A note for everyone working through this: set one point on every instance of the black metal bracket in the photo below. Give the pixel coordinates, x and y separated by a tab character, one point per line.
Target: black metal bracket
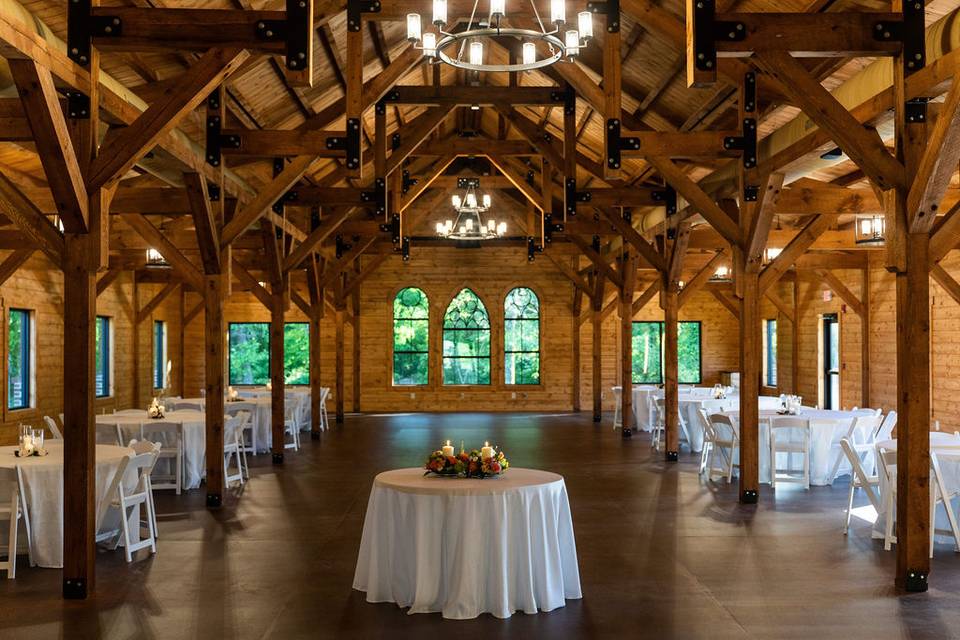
395	141
916	110
356	9
299	34
533	248
571	196
314	435
342	247
78	105
468	183
314	218
749	496
611	9
214	500
569	100
393	228
74	588
278	458
747	143
626	433
708	31
616	143
672	456
377	196
214	139
82	27
405	249
749	92
751	192
668	197
213	192
353	143
916	581
595	243
406	182
550	227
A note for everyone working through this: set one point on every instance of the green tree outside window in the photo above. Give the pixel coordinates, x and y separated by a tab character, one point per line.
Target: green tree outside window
466	341
411	337
521	337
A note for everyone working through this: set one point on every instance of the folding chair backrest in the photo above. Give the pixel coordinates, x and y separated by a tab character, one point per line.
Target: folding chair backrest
708	433
858	471
864	428
113	490
617	393
138	470
54	429
789	429
887	462
188	406
885	430
324	392
231	426
723	428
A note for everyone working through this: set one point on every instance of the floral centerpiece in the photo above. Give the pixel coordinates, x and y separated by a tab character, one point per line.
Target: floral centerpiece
30	443
155	410
478	463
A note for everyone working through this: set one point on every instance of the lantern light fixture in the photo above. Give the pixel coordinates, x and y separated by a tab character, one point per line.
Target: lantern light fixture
869	229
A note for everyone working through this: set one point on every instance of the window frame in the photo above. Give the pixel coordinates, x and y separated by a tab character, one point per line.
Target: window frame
230	380
443	338
539	350
769	382
27	355
393	340
159	354
104	357
661	326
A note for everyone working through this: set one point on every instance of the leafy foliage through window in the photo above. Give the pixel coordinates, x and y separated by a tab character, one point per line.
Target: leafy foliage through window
103	369
19	374
466	340
647	356
770	353
411	337
249	353
521	337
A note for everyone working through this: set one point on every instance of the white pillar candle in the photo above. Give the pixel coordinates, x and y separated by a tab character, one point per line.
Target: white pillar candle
447	449
486	451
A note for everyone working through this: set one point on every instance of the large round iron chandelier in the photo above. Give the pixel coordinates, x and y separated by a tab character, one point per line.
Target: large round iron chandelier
465	49
469	224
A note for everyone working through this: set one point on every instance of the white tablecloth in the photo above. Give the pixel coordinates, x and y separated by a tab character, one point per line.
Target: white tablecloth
826	428
43	493
260	417
466	547
194	439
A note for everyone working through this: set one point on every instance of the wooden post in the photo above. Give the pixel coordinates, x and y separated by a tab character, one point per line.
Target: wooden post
316	315
339	317
750	358
628	273
213	373
79	373
865	336
355	326
597	311
575	360
671	365
278	291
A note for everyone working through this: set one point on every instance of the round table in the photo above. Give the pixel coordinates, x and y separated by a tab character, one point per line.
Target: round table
827	427
194	438
465	547
42	487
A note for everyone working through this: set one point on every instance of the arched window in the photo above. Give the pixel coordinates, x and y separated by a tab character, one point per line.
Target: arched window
411	337
521	337
466	341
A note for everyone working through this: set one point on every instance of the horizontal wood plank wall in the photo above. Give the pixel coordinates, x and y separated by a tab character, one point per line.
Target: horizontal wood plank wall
491	273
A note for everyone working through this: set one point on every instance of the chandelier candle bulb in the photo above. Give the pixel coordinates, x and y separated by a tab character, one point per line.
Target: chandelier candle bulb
456	201
529	53
476	53
486	200
585	24
440	12
472	200
498	7
430	44
492	226
413	27
558	11
572	43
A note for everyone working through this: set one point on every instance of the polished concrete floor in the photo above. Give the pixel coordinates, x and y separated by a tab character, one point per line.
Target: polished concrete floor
662	554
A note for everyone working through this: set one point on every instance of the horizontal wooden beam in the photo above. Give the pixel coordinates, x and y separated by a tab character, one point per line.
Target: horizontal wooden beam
465	96
271	143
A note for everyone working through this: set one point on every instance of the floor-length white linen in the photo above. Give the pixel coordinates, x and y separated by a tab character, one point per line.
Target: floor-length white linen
194	439
466	547
43	493
827	426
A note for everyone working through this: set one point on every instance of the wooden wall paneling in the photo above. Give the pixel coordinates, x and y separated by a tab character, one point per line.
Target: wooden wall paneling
628	269
355	328
597	353
575	360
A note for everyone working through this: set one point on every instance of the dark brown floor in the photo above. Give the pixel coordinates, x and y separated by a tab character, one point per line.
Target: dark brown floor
661	554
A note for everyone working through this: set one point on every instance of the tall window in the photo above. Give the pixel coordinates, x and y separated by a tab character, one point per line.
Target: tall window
770	353
466	341
521	337
647	356
159	354
19	364
296	353
411	337
104	355
248	352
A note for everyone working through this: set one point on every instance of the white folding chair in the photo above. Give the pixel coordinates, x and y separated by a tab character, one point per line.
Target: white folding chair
860	435
290	427
142	446
188	406
131	490
660	428
887	473
617	403
657	424
885	430
859	479
55	433
170	437
12	509
942	493
726	443
233	447
708	437
324	394
232	409
790	436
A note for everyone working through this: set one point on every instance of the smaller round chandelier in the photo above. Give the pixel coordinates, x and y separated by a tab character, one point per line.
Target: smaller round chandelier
469	224
451	48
